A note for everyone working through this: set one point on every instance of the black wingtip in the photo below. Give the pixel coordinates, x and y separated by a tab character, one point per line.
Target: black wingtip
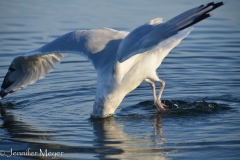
206	14
214	5
2	93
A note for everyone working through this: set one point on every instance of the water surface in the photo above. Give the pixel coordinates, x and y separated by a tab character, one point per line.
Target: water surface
201	74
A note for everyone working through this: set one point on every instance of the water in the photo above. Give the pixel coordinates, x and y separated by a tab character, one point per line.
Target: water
202	87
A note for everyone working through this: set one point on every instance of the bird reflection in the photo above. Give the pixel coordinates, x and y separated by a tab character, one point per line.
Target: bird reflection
116	144
111	139
158	136
23	136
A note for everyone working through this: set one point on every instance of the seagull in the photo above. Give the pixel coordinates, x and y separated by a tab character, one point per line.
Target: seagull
121	59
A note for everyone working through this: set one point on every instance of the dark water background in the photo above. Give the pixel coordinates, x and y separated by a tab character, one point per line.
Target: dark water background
202	78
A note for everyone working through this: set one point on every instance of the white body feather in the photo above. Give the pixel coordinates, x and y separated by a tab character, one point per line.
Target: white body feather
112	88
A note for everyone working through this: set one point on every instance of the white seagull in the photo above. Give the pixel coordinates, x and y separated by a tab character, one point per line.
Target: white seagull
122	60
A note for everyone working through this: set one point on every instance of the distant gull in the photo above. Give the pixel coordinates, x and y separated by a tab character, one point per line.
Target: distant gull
122	59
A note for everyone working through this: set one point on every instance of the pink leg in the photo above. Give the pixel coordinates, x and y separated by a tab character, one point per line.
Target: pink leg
161	89
153	88
157	100
160	94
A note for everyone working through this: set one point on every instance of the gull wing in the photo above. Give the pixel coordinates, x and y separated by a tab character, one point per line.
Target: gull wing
149	35
25	70
99	46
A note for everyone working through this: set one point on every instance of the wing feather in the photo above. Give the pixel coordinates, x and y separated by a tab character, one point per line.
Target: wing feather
99	46
149	35
27	70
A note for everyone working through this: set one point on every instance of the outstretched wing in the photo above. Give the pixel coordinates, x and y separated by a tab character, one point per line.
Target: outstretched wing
99	46
149	35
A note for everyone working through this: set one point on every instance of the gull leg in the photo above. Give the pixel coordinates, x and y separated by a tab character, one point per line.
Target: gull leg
153	89
157	101
160	104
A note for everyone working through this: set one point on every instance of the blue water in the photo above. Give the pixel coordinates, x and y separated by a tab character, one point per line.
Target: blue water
202	78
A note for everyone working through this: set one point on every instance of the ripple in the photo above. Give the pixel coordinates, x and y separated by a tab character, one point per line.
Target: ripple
179	107
146	109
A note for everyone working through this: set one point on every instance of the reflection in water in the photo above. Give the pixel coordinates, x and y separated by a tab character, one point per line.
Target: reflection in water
157	131
110	140
113	143
26	137
19	130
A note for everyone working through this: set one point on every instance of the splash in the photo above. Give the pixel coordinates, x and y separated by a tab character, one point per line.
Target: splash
175	108
180	107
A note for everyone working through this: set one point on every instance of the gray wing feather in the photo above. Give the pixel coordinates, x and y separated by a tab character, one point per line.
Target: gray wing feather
99	46
27	70
150	35
88	43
